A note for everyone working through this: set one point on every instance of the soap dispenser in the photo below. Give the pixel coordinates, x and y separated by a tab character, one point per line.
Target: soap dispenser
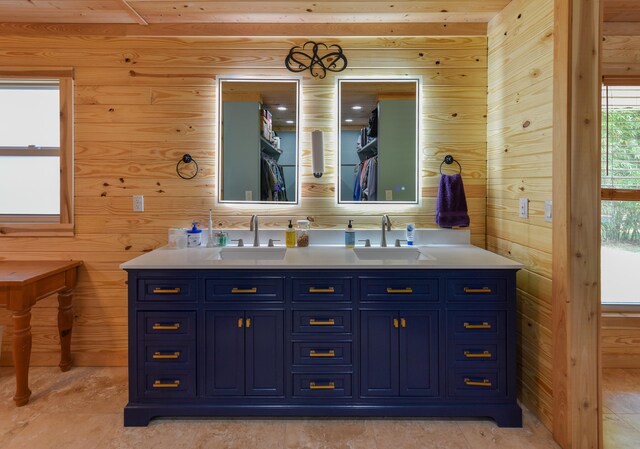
349	236
290	236
194	235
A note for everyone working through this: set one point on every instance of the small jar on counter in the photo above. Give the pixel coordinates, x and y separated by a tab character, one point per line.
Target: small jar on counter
302	233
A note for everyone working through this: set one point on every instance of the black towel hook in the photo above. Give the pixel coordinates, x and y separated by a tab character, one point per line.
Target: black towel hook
448	159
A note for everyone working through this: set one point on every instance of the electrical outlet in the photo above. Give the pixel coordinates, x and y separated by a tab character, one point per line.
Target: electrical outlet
138	203
388	195
524	208
548	211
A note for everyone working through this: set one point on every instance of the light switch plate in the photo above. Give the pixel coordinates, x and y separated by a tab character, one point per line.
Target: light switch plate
138	203
524	208
548	211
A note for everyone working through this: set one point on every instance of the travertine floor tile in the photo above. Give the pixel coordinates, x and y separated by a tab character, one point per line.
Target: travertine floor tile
417	434
328	434
619	434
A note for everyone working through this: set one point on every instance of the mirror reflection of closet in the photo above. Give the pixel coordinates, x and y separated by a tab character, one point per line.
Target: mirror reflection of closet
258	142
378	140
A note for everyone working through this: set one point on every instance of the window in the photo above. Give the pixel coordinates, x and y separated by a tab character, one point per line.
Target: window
36	153
620	190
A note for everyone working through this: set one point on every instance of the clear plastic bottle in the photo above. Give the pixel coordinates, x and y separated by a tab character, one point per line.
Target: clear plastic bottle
411	233
349	236
290	236
302	233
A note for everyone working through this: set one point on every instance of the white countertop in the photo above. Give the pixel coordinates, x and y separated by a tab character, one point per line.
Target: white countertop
433	256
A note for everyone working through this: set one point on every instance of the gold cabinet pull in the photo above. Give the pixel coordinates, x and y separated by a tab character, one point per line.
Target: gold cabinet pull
240	322
403	323
322	290
329	322
167	291
395	323
235	290
478	355
399	290
159	355
248	322
166	327
160	384
329	386
484	325
477	290
473	383
314	353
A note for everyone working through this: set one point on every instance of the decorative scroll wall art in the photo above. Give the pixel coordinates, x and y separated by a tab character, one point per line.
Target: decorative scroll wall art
332	59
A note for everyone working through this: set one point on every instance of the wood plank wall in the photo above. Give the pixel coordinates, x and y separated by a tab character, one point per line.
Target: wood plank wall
140	103
620	332
519	151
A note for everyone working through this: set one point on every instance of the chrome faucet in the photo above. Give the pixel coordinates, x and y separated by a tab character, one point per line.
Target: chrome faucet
253	226
386	226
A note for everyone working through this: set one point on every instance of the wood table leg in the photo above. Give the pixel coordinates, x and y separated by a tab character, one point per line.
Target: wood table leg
22	355
65	326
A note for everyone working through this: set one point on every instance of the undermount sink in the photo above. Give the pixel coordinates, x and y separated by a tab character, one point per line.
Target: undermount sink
390	253
253	253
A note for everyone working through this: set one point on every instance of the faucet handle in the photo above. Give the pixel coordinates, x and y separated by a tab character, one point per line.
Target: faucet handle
271	242
240	242
367	242
398	245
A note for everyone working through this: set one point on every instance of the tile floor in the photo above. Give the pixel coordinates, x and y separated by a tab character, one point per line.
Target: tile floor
83	409
621	408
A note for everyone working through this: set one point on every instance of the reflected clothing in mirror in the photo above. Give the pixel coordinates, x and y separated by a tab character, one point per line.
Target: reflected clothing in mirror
272	183
366	185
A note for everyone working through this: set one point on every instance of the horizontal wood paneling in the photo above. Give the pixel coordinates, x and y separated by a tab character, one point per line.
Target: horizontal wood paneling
141	103
519	150
620	54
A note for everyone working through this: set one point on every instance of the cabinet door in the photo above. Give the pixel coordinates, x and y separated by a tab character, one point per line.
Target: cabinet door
225	353
264	352
379	353
419	353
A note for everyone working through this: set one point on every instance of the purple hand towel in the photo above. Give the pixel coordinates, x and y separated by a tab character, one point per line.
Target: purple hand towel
451	208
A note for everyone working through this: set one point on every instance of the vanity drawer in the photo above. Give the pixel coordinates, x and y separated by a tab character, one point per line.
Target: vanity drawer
322	289
322	321
169	384
322	385
176	325
179	355
245	289
167	289
399	289
480	383
477	324
481	353
322	353
477	290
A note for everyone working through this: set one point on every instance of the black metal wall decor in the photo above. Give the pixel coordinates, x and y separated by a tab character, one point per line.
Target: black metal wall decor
333	60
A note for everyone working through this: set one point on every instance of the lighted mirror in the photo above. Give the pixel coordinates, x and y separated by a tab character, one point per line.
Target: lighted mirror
378	140
258	140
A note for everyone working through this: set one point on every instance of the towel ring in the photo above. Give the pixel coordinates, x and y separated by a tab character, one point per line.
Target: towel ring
186	159
448	159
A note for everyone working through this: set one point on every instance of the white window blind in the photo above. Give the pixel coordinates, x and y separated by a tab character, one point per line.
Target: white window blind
621	137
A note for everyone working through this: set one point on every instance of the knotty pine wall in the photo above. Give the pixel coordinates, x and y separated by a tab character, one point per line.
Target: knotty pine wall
519	151
140	103
620	333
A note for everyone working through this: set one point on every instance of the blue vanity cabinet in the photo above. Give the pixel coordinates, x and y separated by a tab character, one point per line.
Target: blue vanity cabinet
301	342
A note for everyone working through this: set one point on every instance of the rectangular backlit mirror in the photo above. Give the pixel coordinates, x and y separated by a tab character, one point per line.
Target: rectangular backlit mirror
258	140
378	140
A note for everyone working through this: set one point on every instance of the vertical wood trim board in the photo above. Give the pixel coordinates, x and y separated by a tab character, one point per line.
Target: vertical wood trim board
519	150
140	103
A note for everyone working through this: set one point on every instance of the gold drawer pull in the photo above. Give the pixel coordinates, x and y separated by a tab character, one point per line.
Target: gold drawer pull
248	321
399	290
322	290
244	290
329	322
484	325
240	322
329	386
166	327
403	323
159	355
472	383
395	323
330	353
160	384
478	355
167	291
477	290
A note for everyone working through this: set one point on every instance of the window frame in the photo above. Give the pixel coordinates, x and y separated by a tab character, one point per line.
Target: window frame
41	225
612	194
